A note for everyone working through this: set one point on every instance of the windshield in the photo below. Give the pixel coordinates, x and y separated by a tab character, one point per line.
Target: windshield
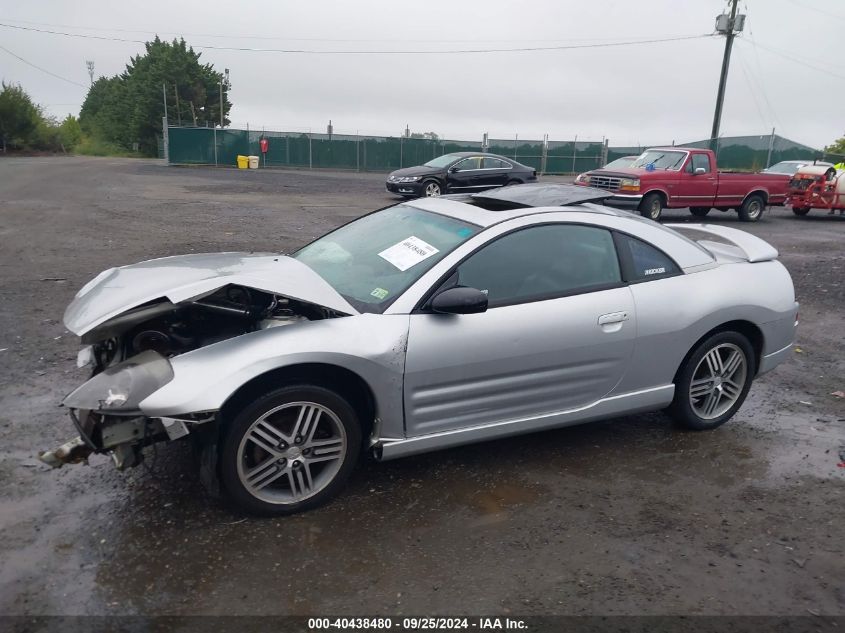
373	260
785	168
442	161
660	158
620	163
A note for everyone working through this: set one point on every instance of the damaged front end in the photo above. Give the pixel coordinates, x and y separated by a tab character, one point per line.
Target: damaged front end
133	319
106	413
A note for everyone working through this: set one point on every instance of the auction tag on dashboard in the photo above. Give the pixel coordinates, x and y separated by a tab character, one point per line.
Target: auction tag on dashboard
408	252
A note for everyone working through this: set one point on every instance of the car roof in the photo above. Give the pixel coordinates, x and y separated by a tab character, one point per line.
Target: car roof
532	195
479	153
490	207
462	208
684	251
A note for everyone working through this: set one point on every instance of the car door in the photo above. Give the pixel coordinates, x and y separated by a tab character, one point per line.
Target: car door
463	175
697	188
494	172
557	335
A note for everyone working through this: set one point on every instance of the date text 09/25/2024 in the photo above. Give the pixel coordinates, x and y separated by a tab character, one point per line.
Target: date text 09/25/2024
416	623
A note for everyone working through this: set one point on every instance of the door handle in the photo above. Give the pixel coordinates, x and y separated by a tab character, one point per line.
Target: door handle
613	317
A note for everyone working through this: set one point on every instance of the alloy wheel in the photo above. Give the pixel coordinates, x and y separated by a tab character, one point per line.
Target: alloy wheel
291	452
432	190
718	381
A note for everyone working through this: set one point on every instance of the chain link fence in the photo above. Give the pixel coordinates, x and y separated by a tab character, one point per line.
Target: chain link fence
215	146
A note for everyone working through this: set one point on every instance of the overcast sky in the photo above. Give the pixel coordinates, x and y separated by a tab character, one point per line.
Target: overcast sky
787	69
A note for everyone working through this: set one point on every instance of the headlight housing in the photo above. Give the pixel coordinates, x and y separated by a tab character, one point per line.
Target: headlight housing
120	389
629	184
409	178
585	178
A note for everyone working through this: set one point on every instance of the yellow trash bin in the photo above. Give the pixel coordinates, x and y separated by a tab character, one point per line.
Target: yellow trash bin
243	162
253	162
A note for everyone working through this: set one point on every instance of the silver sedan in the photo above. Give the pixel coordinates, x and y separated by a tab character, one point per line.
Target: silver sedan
421	326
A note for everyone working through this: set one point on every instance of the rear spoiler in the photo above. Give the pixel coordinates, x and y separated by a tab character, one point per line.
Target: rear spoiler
742	244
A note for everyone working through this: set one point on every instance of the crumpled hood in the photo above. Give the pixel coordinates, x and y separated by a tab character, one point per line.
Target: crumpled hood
184	277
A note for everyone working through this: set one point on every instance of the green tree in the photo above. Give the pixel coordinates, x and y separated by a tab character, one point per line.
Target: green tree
128	108
70	132
19	116
837	147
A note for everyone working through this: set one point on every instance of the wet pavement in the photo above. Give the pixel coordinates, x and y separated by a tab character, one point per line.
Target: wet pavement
623	516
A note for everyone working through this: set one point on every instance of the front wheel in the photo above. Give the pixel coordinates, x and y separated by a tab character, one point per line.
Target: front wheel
290	450
713	382
752	209
431	189
651	206
800	210
699	212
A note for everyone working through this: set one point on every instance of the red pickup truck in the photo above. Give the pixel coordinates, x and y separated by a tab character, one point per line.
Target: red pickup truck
679	177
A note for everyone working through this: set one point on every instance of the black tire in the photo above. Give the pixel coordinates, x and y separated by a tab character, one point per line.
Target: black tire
432	189
800	210
699	212
682	409
752	209
231	456
513	182
651	206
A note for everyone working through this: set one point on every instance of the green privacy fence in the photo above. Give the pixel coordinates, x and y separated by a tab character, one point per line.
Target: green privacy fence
208	146
214	146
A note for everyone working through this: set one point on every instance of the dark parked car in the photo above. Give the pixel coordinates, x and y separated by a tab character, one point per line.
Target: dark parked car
458	172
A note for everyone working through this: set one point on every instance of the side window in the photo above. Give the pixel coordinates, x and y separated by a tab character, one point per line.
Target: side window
542	262
700	160
645	261
495	163
468	164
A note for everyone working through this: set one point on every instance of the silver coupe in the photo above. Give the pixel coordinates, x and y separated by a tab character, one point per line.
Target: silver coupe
424	325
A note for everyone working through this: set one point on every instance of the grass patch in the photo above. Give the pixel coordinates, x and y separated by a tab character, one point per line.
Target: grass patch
95	147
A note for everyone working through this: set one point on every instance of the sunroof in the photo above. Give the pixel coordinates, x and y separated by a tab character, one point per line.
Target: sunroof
536	195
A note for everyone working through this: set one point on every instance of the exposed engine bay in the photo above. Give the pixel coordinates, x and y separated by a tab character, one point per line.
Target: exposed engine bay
141	340
172	329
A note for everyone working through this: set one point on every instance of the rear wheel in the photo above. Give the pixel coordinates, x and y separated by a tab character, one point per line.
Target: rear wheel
713	382
289	451
651	206
431	189
800	210
699	212
752	209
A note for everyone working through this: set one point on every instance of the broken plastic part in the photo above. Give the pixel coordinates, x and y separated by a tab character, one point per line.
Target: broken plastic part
71	452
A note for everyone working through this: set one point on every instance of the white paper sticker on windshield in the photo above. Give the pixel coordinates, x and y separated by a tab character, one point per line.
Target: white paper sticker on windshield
408	252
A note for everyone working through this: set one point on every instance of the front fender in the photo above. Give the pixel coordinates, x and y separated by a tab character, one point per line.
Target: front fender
370	345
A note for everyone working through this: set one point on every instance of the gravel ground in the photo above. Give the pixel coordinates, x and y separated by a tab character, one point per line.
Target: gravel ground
627	516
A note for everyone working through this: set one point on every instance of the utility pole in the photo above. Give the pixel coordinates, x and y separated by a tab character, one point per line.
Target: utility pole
223	84
729	26
90	64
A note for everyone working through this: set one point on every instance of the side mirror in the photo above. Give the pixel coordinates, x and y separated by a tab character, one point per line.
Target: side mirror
700	170
453	169
460	301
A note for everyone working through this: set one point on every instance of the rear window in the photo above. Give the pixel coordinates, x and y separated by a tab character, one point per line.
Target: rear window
645	262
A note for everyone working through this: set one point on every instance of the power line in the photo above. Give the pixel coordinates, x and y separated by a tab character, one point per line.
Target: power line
759	80
311	39
43	70
797	60
375	52
750	87
823	12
